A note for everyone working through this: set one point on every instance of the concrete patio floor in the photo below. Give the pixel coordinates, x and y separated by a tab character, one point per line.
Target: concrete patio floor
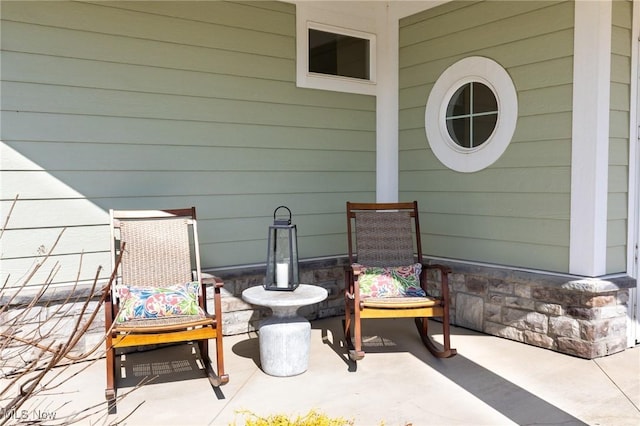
492	381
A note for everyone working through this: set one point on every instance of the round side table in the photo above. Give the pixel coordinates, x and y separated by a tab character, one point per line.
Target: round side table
285	336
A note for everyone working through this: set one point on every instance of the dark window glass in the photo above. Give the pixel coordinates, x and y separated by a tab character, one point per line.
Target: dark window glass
483	127
472	115
338	54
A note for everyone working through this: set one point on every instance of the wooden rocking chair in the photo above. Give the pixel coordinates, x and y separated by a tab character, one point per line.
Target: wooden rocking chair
157	293
385	280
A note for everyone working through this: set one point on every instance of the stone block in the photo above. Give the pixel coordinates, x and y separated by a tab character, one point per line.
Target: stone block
334	289
525	320
476	285
457	282
616	345
334	274
434	289
552	309
307	277
617	311
497	299
597	313
519	302
239	322
500	286
581	313
564	327
590	350
231	304
603	329
501	330
599	300
93	340
492	312
21	315
543	294
539	339
469	311
522	290
557	296
577	347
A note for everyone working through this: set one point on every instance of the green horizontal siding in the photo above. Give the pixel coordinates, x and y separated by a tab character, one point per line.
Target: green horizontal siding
170	104
62	42
75	128
30	97
117	21
517	211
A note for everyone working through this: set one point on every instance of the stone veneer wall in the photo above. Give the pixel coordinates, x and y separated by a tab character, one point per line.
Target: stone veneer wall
582	317
55	317
51	321
585	317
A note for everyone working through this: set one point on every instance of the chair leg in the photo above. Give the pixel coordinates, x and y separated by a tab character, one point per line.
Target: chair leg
224	378
219	378
356	353
203	345
447	351
346	325
110	391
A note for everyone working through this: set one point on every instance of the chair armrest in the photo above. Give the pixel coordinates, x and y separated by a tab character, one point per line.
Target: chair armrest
351	285
444	278
208	279
356	269
109	310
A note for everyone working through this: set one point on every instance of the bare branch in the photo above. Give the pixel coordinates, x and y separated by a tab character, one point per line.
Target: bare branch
38	338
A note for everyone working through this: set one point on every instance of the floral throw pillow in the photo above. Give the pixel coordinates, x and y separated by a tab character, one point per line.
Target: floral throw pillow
400	281
158	302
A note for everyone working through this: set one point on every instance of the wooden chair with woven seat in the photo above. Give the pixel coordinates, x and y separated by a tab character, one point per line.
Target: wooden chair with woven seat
386	277
157	292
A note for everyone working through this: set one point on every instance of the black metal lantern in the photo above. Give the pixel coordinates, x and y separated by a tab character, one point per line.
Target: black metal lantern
282	254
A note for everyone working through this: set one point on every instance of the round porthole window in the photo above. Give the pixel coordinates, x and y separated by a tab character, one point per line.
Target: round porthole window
471	114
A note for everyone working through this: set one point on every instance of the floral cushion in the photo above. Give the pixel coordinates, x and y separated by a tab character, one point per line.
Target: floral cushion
158	302
401	281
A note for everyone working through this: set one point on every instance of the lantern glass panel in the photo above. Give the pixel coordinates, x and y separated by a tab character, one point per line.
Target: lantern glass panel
282	258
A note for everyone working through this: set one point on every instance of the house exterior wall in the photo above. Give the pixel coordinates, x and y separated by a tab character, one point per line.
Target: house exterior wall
170	104
163	105
517	211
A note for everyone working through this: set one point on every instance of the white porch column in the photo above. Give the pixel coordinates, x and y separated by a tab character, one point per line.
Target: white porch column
387	106
590	138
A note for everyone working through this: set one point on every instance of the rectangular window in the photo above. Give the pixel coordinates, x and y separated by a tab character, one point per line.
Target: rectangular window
335	58
338	54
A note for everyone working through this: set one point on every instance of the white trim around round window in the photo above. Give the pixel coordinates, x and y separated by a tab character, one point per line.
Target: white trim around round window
473	69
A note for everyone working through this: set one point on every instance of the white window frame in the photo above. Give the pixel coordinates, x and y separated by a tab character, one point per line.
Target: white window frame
491	74
312	80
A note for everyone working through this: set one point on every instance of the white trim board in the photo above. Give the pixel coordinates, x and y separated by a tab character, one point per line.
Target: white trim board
590	140
633	236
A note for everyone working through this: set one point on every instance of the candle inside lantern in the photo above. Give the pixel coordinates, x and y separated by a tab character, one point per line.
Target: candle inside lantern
282	275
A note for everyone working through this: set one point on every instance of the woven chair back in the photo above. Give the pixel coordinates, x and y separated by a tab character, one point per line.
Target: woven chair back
384	238
157	252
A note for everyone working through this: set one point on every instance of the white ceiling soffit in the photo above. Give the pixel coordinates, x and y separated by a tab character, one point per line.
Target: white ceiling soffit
399	8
